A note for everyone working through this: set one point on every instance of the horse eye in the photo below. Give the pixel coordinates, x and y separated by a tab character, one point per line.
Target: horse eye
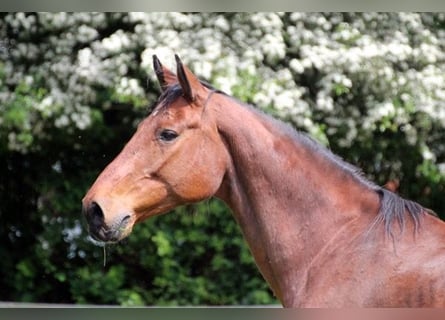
168	135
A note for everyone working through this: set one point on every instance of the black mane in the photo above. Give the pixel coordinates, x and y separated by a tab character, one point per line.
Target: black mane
393	208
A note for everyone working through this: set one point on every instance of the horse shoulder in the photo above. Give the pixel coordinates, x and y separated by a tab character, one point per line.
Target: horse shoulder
417	275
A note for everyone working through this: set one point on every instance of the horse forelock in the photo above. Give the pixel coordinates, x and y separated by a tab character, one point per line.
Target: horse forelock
166	98
172	93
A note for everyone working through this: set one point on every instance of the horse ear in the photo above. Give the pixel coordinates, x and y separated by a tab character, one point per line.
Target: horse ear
165	76
189	83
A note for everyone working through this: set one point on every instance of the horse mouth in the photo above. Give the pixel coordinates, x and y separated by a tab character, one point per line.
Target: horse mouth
112	234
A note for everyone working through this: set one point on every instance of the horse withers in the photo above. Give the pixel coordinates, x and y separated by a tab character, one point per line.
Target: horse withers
321	234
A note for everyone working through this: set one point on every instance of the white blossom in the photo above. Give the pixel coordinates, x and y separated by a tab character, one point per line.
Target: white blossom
116	42
298	64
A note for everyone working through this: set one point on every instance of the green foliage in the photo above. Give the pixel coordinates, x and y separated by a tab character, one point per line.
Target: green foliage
73	88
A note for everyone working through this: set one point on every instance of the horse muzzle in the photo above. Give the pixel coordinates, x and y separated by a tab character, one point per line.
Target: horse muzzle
101	231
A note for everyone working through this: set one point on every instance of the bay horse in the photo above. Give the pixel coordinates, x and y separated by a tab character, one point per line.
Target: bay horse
321	233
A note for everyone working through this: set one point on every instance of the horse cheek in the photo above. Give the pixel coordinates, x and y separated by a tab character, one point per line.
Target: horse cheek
200	183
200	179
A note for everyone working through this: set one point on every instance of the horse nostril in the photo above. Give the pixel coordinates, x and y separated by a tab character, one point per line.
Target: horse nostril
94	215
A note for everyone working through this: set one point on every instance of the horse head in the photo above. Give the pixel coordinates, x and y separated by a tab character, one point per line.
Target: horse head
175	157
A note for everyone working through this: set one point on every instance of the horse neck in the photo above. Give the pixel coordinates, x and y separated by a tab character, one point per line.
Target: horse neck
289	199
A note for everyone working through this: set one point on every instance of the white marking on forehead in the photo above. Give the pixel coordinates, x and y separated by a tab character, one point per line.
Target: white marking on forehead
160	109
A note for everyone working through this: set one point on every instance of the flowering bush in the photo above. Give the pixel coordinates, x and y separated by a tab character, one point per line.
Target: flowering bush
370	86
